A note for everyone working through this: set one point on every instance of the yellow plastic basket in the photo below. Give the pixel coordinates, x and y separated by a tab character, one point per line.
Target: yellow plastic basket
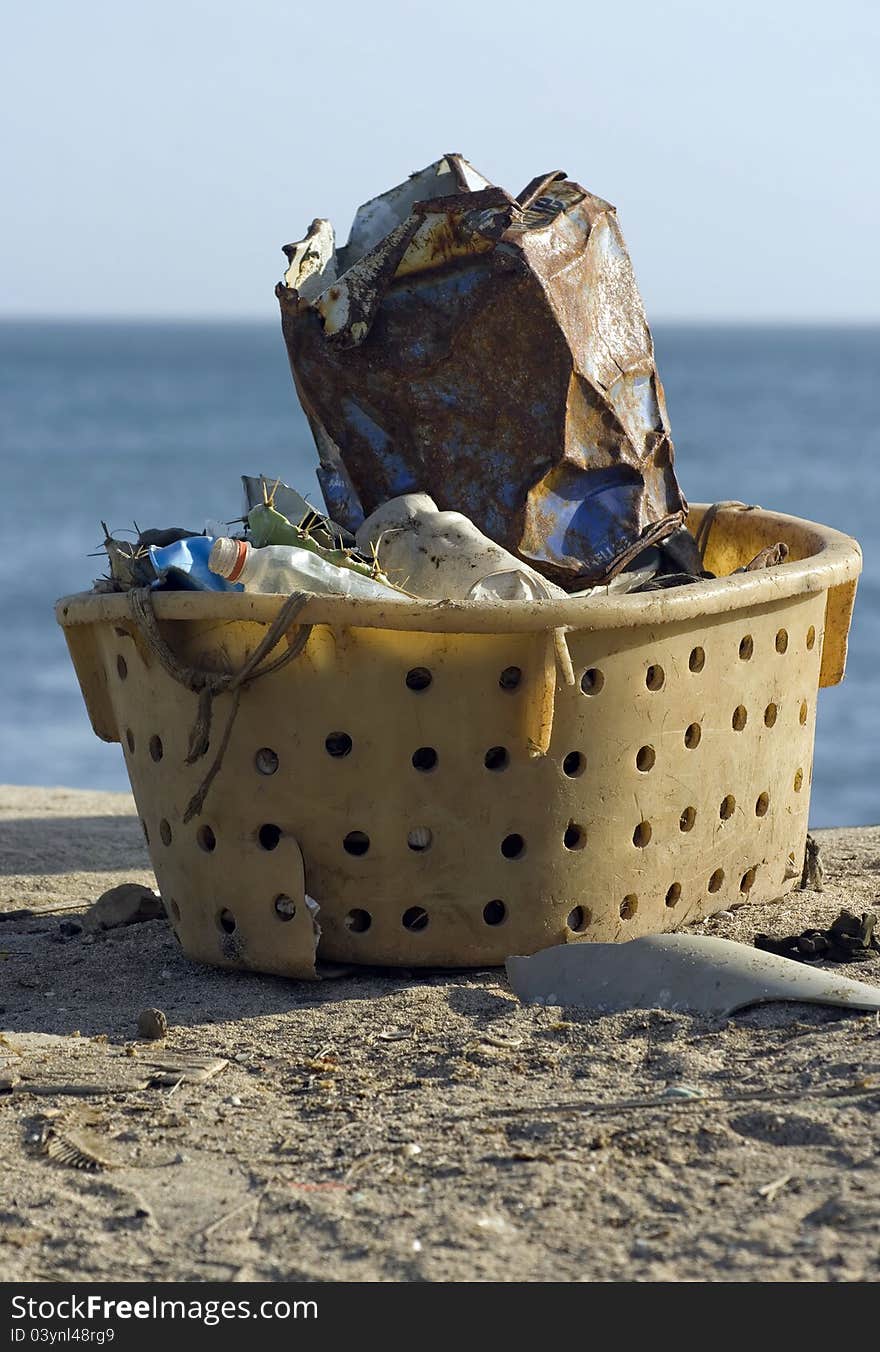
454	782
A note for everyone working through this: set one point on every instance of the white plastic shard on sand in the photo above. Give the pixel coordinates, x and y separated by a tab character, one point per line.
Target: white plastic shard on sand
688	973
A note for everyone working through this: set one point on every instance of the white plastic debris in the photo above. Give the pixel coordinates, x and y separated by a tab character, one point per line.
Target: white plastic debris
685	972
442	555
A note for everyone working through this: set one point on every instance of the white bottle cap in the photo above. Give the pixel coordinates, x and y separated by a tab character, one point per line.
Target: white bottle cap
228	557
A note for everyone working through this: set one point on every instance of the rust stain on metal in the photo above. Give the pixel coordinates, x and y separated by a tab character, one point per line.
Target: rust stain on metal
493	352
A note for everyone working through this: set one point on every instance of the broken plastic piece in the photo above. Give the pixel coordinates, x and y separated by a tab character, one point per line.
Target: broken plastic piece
685	972
493	352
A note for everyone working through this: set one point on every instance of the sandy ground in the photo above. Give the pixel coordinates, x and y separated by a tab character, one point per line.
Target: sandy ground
409	1126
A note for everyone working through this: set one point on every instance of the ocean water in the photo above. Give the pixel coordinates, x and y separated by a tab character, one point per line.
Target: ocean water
157	422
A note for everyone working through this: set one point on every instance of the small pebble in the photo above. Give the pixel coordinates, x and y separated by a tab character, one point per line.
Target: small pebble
152	1025
234	1100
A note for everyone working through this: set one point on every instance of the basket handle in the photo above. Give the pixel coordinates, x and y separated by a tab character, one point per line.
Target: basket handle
554	662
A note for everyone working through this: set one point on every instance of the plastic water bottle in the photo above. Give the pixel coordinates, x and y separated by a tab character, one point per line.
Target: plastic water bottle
286	568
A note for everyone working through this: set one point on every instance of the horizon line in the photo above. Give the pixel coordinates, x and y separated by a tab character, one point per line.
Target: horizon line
717	321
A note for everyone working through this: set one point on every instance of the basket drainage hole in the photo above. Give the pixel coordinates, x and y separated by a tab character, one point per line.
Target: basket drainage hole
496	758
798	780
266	761
226	921
642	834
418	678
356	842
692	736
781	640
770	715
513	846
629	906
697	659
510	678
424	758
174	909
578	919
419	838
673	896
121	667
146	831
494	912
415	919
802	713
728	807
811	637
645	758
206	839
165	832
574	764
592	681
655	677
746	647
129	737
285	907
575	837
747	881
157	751
740	718
358	921
762	803
269	835
716	880
687	819
339	743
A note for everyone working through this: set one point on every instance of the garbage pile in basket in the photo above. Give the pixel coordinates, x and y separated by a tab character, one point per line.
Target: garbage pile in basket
407	548
479	377
492	442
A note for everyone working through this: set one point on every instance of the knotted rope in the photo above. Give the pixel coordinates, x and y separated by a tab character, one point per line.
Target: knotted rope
206	685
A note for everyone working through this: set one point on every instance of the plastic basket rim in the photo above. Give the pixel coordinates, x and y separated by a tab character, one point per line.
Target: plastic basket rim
835	559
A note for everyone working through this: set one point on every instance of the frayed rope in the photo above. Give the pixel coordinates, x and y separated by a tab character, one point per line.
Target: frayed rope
206	685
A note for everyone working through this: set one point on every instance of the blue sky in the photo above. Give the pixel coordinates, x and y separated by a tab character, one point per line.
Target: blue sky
156	156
